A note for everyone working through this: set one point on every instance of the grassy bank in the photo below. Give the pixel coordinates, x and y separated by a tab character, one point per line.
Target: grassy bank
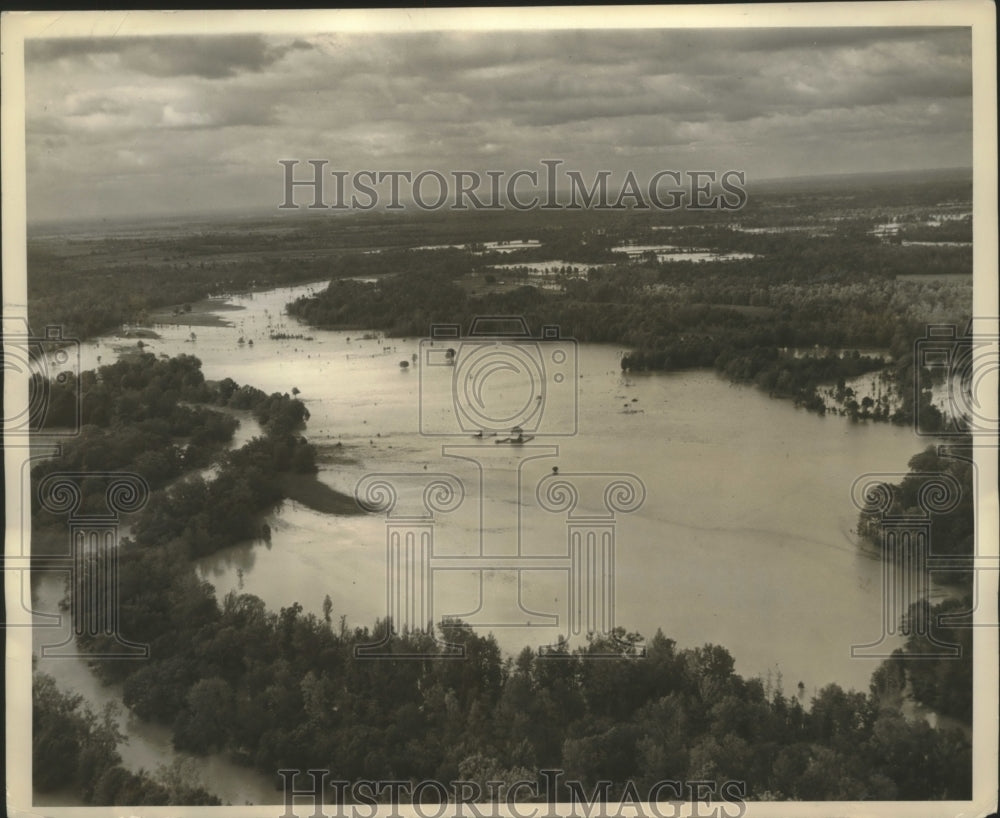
308	490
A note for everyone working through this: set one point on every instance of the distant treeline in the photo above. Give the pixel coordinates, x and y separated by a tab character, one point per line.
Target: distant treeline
86	301
744	318
91	286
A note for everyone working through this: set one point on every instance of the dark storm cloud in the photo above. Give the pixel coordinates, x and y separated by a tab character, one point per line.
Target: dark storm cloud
207	57
563	77
223	108
448	53
771	40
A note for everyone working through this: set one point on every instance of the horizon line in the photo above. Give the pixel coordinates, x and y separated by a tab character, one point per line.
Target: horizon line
243	212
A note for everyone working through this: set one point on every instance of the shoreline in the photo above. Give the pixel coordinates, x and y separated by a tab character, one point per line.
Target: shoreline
203	313
313	493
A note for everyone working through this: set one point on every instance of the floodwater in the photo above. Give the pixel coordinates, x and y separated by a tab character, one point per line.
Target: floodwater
669	252
744	536
547	266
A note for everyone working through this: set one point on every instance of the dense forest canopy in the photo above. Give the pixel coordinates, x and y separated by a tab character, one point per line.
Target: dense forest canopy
288	689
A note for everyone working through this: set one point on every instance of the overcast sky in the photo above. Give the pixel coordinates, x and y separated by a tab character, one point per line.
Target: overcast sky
129	126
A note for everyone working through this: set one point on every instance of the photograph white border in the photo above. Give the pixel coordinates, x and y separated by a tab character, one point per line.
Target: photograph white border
980	16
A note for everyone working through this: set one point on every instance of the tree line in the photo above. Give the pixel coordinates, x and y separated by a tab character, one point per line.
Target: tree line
76	750
159	418
287	689
753	323
942	683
